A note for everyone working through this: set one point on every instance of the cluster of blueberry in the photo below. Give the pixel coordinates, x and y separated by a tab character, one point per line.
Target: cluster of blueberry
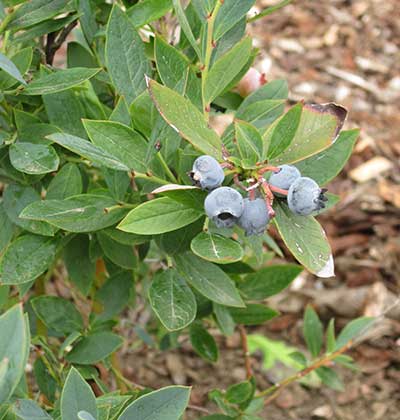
226	207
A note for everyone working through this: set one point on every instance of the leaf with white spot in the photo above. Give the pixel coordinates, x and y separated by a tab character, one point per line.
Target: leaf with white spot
172	300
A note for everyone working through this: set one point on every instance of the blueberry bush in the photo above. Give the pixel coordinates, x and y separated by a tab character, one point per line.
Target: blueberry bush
115	184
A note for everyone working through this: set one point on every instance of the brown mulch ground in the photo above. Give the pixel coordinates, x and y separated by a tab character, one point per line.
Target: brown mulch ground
347	52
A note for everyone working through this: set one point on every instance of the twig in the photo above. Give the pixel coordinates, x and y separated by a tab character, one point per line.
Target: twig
247	359
276	389
198	408
54	42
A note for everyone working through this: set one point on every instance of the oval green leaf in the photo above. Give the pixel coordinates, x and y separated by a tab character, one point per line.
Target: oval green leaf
306	240
33	158
172	300
76	395
208	279
167	404
159	216
59	81
27	258
186	119
216	248
94	348
14	350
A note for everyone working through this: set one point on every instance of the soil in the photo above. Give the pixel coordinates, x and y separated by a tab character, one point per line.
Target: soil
347	52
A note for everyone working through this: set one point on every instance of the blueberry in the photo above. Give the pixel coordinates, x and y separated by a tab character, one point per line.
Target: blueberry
224	206
207	173
285	177
254	218
305	196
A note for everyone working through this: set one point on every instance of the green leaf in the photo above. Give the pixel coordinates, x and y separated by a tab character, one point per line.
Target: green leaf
34	12
159	216
239	393
324	166
14	350
225	69
80	213
354	329
216	248
81	270
115	294
172	65
33	158
185	26
59	81
43	28
186	119
22	60
268	281
121	113
94	348
26	259
203	343
224	319
172	300
87	20
252	314
16	198
330	378
148	11
229	14
58	314
70	122
318	129
284	132
248	142
273	351
87	150
10	68
121	255
119	140
7	229
66	183
126	238
208	279
179	240
306	240
29	410
125	56
330	336
45	382
167	404
76	395
313	331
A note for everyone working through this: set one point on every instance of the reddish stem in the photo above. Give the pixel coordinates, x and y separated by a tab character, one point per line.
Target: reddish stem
269	197
278	190
238	183
268	169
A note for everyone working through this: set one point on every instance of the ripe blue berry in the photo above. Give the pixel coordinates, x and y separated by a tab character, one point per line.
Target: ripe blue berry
224	206
254	218
207	173
285	177
305	196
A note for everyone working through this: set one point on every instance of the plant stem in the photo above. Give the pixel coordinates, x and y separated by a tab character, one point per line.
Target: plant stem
269	10
166	168
247	359
208	52
276	389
